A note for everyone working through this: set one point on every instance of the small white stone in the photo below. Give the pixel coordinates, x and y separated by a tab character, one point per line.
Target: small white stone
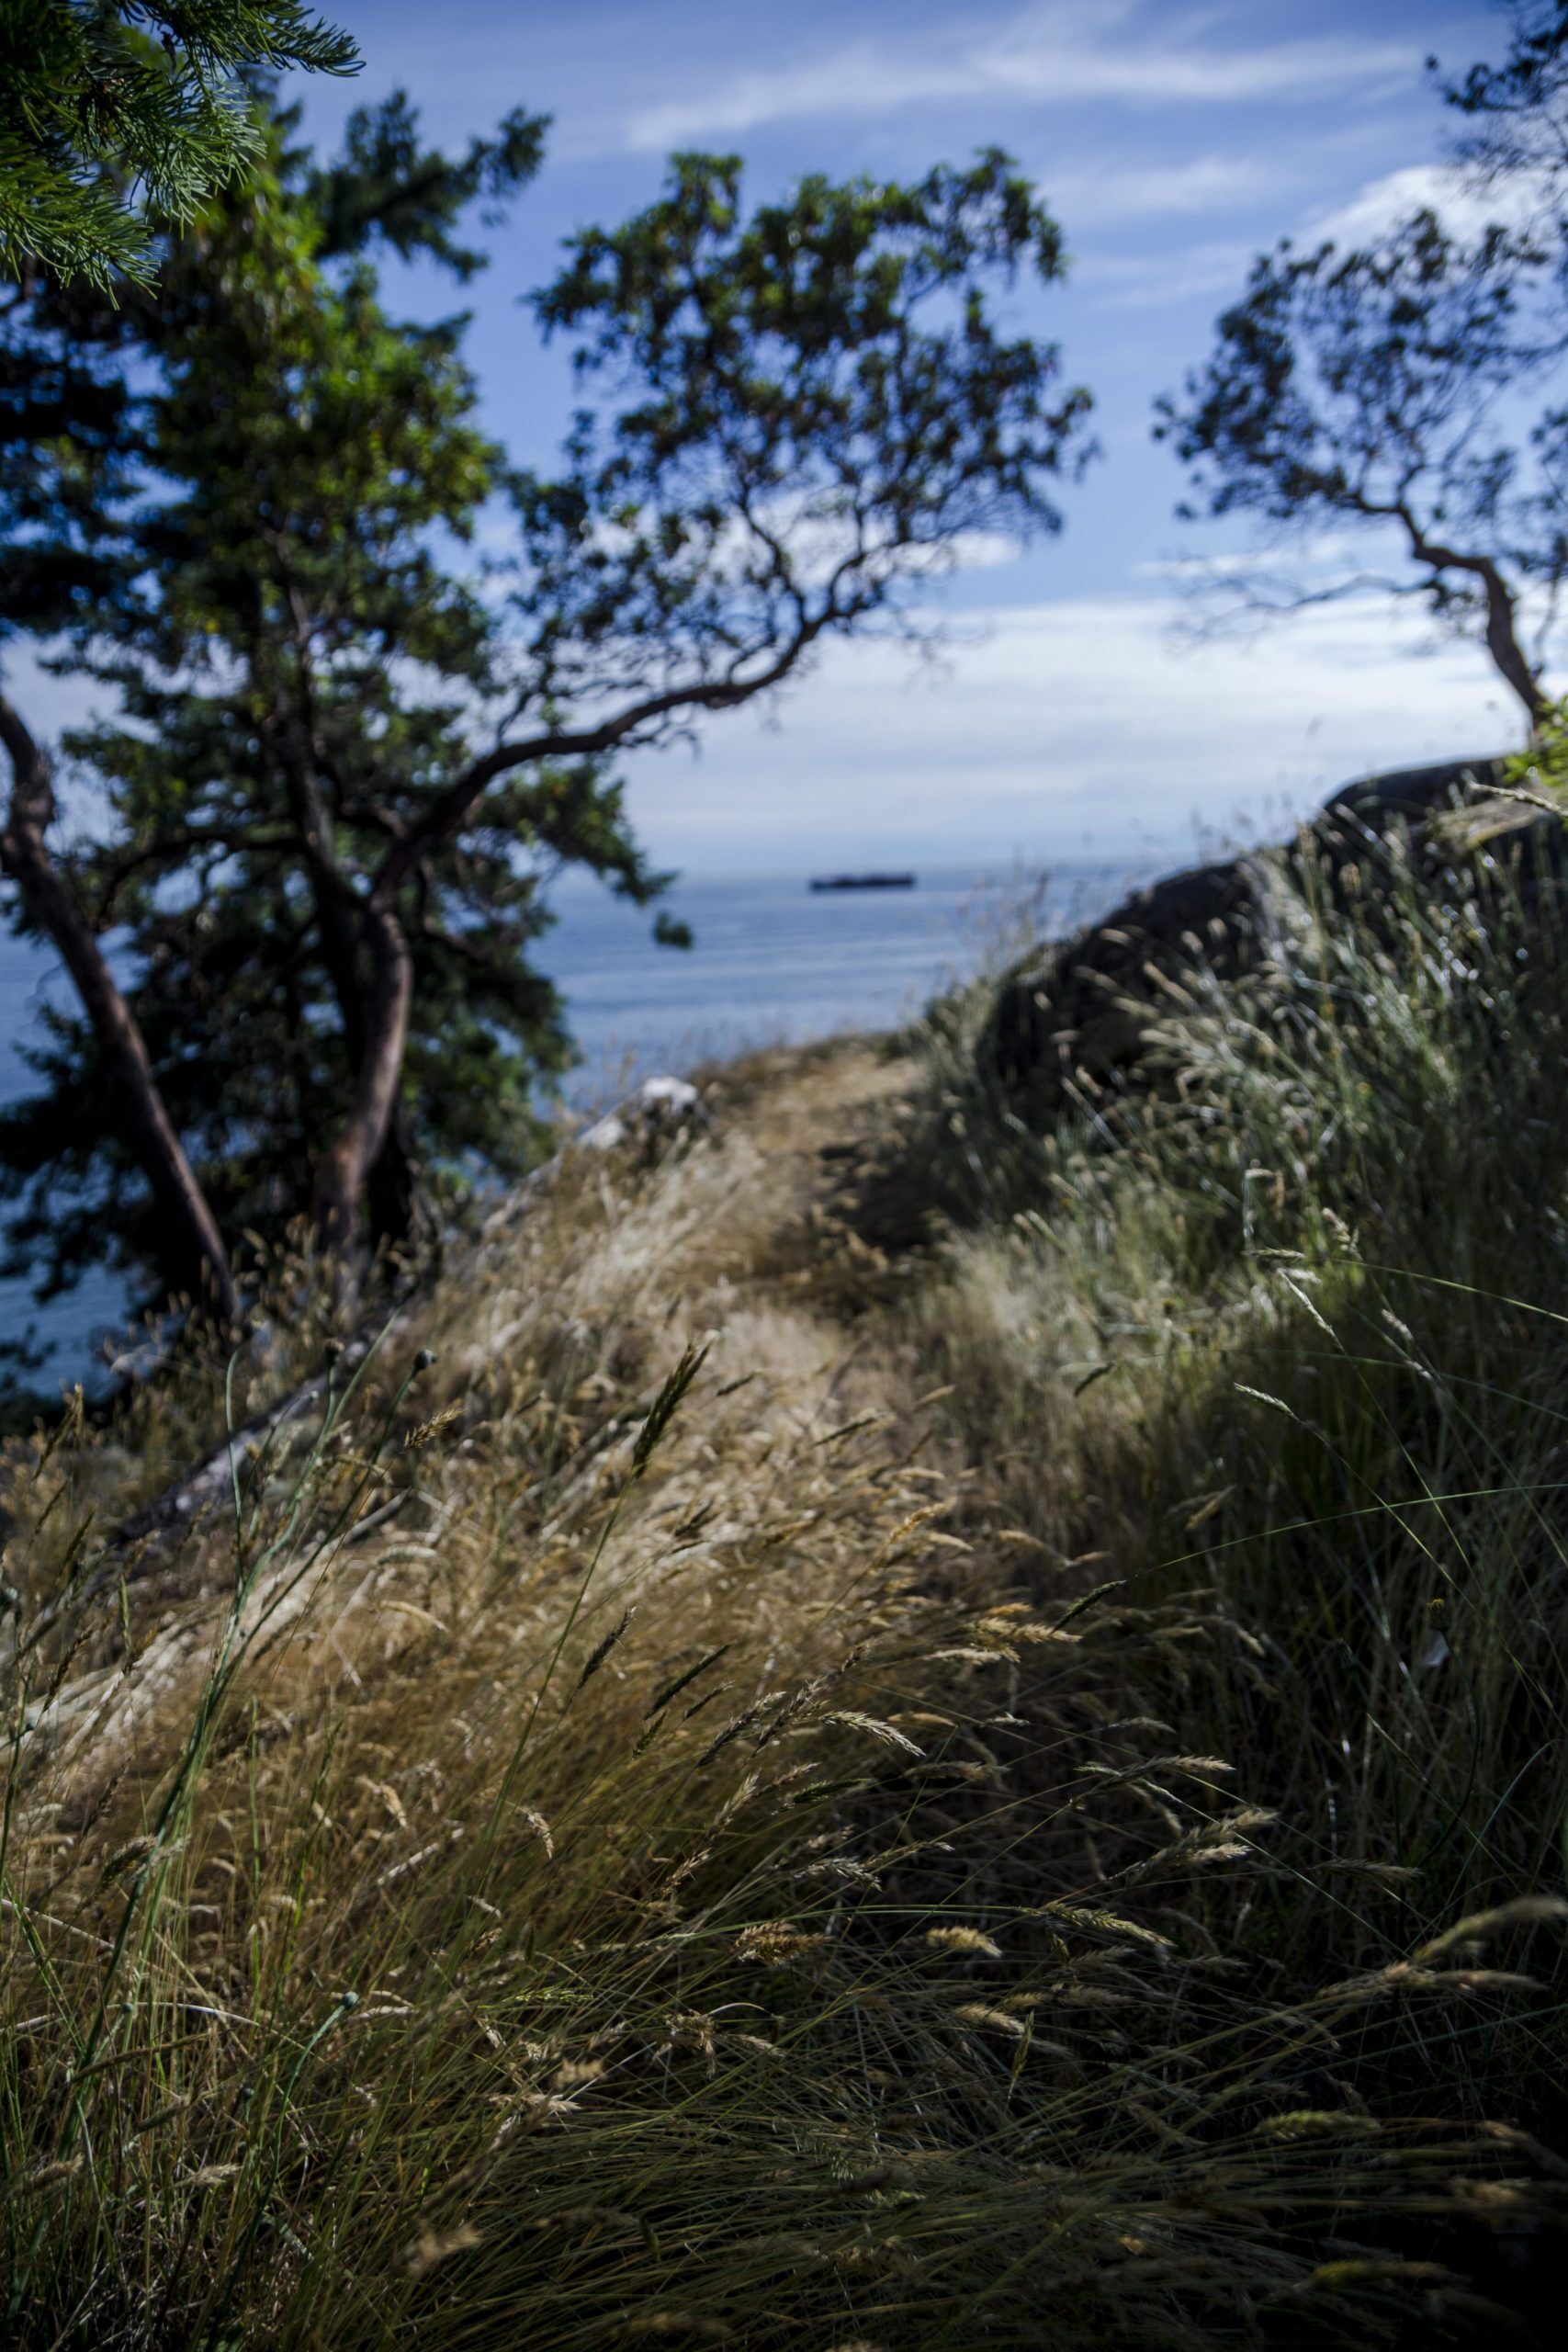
604	1134
668	1093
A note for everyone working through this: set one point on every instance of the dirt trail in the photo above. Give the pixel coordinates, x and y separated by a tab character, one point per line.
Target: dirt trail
549	1340
794	1107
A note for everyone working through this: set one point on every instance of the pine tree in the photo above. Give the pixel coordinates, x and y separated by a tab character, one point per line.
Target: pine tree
346	748
292	644
116	111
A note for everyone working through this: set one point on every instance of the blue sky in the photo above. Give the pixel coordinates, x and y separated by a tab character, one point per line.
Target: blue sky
1173	138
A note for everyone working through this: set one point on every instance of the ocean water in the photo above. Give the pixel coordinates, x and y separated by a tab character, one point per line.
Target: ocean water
773	962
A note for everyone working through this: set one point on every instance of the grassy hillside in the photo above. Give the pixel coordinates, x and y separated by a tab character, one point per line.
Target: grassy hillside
742	1783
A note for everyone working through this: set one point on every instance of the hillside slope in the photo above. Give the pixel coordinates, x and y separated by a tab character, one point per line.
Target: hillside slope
639	1821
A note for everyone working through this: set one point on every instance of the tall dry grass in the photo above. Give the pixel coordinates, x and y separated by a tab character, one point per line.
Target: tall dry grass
626	1826
1285	1318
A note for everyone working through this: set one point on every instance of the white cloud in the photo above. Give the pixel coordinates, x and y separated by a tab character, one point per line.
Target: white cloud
1144	281
1220	265
1072	725
1206	184
1047	56
1464	207
1309	560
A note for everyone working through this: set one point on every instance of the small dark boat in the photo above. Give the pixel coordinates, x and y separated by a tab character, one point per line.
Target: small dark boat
863	882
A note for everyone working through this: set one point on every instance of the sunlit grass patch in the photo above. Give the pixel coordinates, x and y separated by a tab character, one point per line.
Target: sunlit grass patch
629	1829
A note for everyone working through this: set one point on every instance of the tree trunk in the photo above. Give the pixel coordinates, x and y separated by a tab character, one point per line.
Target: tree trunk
394	1196
193	1256
1502	630
1508	654
344	1170
392	1188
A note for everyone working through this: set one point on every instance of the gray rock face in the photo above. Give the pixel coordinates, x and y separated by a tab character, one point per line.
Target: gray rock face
1370	808
1084	1005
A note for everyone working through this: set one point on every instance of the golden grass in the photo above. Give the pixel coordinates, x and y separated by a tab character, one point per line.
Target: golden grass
621	1831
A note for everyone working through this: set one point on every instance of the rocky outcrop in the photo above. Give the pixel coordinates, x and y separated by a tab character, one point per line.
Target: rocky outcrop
1085	1004
1082	1008
1361	815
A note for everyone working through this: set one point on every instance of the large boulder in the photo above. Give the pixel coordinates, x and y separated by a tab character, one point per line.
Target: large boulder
1083	1005
1082	1008
1365	813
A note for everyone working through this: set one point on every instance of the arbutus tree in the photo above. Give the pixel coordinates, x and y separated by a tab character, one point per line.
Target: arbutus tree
807	408
789	418
1516	108
1407	391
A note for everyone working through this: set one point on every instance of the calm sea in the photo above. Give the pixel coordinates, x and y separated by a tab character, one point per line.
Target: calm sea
773	962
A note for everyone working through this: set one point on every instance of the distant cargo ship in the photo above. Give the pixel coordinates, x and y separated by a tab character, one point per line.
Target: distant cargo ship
863	882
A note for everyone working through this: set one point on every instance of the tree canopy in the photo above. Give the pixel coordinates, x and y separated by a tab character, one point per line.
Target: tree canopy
119	112
1412	389
1516	108
348	748
1378	388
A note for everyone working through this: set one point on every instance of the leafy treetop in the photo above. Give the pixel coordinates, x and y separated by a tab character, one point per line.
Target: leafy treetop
790	421
346	752
1376	387
1517	109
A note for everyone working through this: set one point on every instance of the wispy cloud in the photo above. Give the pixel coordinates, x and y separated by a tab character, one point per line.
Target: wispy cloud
1046	57
1217	265
1464	207
1070	724
1311	560
1137	191
1147	281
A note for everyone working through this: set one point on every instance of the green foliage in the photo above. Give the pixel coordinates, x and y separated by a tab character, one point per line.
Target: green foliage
817	408
349	750
1544	766
122	114
1343	378
387	188
294	658
1365	386
1516	110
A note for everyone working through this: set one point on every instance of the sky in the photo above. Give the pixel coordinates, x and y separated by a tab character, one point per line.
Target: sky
1068	714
